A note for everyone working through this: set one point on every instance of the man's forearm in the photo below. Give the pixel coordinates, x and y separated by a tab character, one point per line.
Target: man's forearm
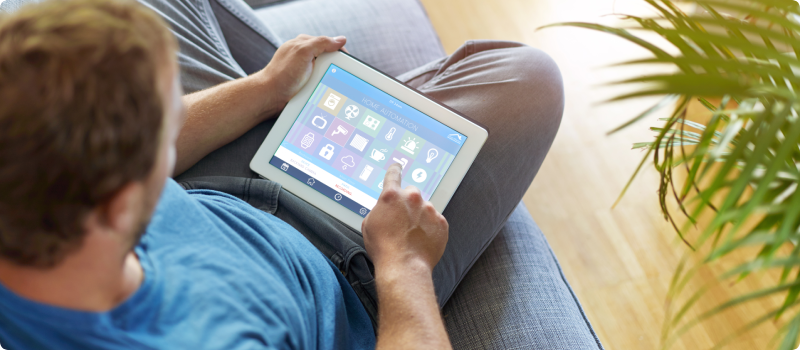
409	315
219	115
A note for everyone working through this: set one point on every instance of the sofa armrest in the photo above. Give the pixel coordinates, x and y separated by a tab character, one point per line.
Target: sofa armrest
394	36
516	297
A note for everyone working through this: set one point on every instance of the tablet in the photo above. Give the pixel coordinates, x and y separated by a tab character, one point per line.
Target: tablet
335	139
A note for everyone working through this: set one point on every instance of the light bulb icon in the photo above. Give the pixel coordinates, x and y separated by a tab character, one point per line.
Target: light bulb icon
432	153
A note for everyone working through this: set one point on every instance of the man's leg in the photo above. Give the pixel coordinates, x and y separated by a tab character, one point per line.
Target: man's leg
513	89
219	40
516	92
203	57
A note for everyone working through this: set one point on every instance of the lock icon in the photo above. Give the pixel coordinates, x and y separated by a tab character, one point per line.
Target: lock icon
326	152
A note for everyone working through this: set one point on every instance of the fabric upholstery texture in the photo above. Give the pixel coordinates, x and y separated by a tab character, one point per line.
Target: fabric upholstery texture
260	3
393	36
516	297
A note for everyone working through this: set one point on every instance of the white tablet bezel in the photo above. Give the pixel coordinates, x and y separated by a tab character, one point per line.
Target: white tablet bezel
475	133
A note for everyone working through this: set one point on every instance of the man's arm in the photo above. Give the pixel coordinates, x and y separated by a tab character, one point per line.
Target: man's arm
409	315
219	115
406	237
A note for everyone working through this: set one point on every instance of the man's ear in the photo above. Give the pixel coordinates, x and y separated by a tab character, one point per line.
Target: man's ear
122	212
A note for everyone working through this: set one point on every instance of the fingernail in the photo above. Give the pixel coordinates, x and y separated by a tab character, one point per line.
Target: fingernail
339	38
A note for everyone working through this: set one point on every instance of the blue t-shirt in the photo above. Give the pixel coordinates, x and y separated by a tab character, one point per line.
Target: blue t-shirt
219	274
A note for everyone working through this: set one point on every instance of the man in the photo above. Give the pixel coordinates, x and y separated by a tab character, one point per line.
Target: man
92	125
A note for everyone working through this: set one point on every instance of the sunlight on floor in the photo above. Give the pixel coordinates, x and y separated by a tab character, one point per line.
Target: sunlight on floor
619	261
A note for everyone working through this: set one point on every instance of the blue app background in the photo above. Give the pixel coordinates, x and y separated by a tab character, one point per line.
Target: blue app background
432	144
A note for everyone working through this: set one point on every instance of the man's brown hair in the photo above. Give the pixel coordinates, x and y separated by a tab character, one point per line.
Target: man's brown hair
80	116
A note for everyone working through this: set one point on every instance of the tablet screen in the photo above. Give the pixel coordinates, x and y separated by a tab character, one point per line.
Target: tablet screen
348	134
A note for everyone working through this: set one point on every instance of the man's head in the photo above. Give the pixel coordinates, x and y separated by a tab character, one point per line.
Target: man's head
89	113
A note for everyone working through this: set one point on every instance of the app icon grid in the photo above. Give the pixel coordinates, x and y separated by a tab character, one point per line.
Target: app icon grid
340	131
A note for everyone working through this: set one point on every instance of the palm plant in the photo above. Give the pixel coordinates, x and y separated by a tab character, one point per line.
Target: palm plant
734	176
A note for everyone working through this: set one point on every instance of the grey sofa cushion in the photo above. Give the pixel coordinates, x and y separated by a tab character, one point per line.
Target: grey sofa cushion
393	36
255	4
516	297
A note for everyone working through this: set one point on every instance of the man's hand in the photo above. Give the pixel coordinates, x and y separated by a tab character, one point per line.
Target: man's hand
220	114
403	229
292	64
405	237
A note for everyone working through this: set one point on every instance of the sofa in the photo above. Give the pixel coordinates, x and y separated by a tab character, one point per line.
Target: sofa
515	296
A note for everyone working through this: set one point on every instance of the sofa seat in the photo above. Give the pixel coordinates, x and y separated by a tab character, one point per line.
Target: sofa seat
515	296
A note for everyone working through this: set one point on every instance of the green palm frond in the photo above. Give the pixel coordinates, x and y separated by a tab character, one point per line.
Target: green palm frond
736	174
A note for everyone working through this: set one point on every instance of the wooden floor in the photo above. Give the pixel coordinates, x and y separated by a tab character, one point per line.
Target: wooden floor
619	261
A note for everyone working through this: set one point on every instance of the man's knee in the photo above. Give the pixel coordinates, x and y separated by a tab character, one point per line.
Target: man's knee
537	85
538	74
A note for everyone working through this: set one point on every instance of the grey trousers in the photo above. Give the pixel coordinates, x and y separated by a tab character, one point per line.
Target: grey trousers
514	90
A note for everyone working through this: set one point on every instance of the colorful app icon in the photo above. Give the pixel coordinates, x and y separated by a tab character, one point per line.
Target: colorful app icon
378	153
418	175
352	113
372	123
319	121
400	158
306	139
391	134
366	172
432	156
332	101
327	151
360	142
411	144
339	132
346	162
